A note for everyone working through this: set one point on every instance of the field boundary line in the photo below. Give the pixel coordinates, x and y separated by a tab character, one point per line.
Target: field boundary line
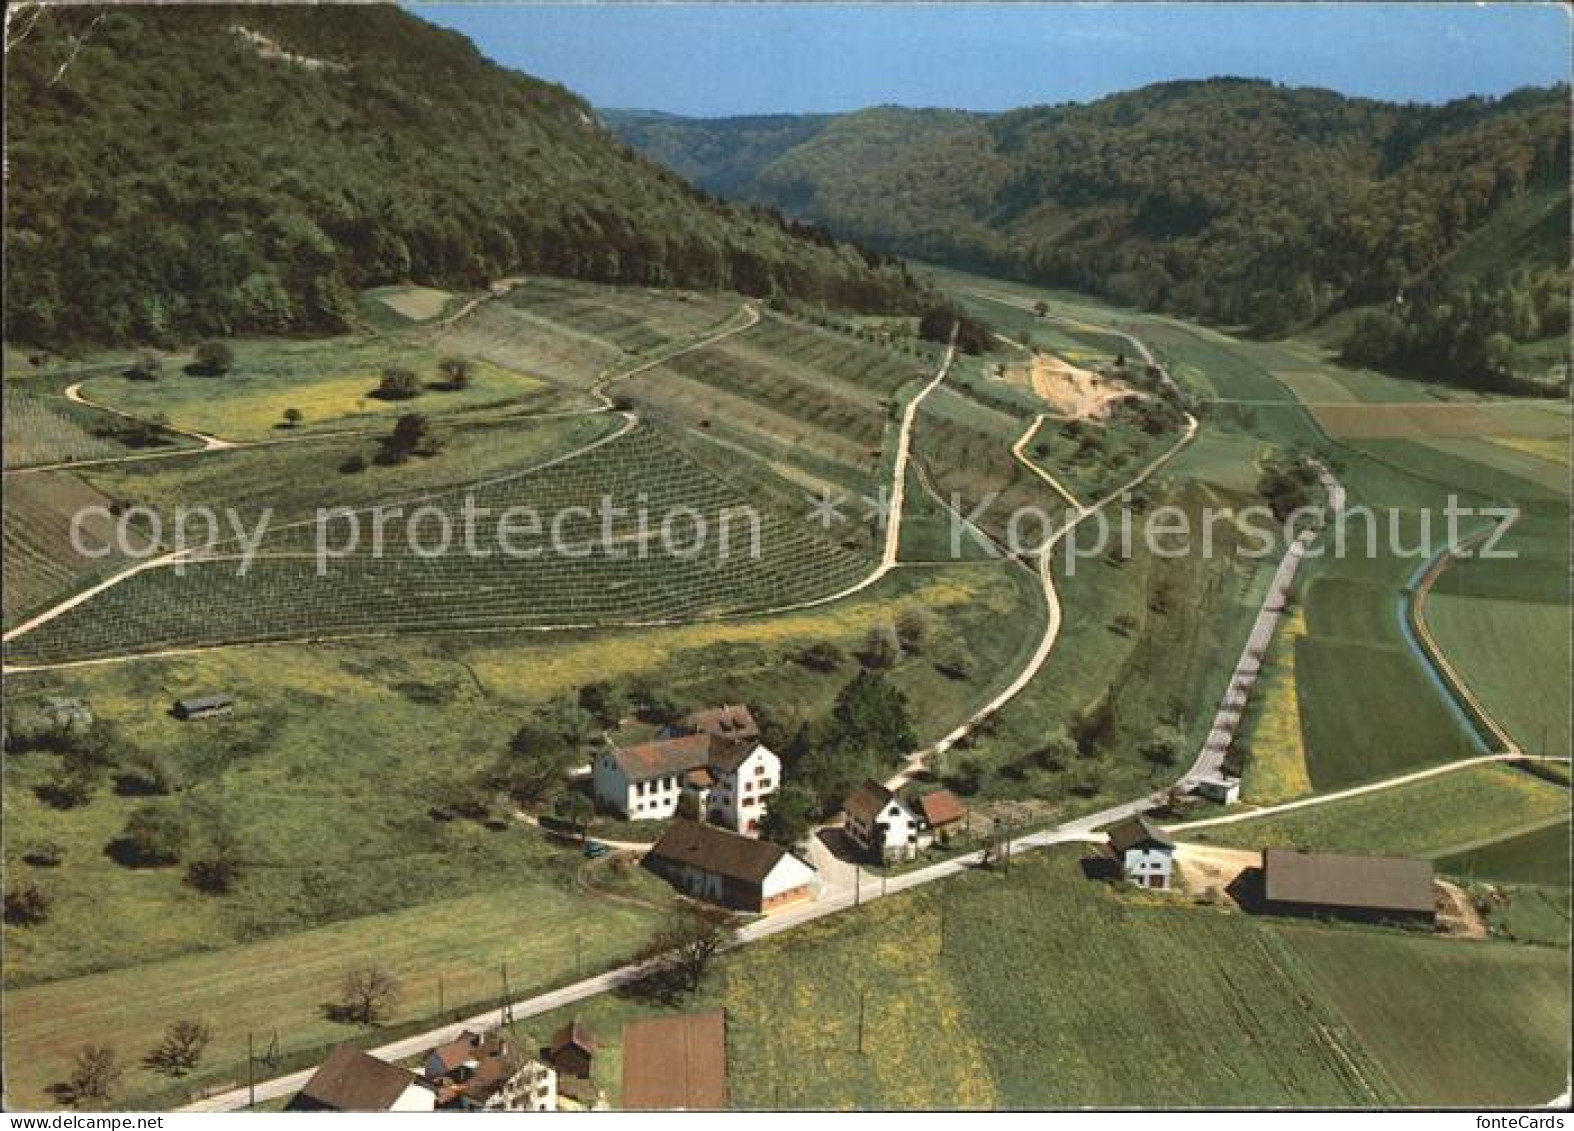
1433	651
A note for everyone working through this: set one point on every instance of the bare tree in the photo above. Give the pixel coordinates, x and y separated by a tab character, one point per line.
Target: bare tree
181	1049
683	949
367	996
94	1073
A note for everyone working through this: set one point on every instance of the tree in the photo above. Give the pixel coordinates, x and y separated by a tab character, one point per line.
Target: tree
293	417
367	996
147	773
27	904
882	647
536	765
456	372
213	359
181	1049
821	657
870	715
147	367
914	627
575	808
789	816
412	436
954	660
397	384
1041	308
94	1073
605	702
156	833
681	951
219	867
1163	747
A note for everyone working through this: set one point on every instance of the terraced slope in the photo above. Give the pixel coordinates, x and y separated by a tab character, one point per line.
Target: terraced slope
601	565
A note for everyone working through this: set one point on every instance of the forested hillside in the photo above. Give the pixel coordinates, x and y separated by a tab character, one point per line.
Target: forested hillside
197	170
1234	200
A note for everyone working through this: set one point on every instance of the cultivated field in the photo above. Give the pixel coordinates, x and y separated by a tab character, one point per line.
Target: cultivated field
1434	818
39	560
43	427
748	560
976	993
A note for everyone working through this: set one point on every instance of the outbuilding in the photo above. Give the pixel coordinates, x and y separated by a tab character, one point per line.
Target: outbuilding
203	707
1370	888
735	871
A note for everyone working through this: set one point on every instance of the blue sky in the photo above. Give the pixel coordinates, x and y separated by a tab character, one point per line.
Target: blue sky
714	59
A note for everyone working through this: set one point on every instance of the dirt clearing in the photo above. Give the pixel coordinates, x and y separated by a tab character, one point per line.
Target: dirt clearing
1070	390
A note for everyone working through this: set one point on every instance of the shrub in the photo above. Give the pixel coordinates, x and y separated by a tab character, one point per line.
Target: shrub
821	657
156	833
213	359
94	1073
397	384
27	904
882	647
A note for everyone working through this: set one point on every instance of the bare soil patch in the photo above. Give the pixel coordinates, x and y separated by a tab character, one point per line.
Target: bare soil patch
1069	389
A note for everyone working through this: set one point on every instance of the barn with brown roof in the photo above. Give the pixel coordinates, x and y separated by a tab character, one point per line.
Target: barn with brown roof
676	1063
735	871
353	1080
1373	888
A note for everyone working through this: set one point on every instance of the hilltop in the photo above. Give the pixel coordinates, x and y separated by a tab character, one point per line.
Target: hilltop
1239	201
212	170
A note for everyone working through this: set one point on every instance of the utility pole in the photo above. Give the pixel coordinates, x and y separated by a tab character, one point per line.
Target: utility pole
942	924
862	994
251	1072
506	1013
858	883
577	949
439	995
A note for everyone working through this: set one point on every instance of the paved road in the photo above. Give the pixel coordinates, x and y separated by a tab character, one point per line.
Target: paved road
1237	693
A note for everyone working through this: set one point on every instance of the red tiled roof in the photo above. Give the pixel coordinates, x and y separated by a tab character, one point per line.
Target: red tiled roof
942	807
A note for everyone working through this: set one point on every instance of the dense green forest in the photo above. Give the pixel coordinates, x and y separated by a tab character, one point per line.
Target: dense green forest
195	170
1235	200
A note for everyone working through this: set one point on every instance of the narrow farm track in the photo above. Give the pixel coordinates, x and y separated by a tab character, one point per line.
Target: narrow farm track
1360	790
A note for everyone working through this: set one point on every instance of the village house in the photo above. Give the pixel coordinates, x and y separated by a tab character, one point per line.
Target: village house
1370	888
676	1063
477	1073
735	871
880	823
352	1080
1145	854
203	707
725	780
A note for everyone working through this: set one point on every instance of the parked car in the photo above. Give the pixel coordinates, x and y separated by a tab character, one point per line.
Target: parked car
594	849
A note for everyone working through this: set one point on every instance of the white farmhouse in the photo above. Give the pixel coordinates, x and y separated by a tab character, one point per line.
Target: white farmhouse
726	780
881	824
1146	856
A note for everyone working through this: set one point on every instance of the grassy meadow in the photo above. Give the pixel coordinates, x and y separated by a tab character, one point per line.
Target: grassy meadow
1008	991
1435	818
